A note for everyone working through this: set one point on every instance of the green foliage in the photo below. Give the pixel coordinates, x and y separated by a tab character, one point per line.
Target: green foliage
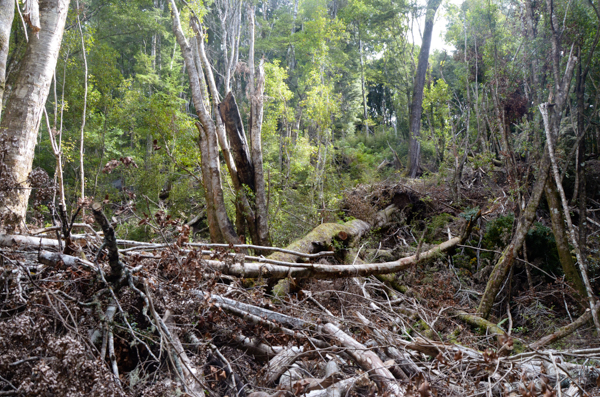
436	227
498	232
436	98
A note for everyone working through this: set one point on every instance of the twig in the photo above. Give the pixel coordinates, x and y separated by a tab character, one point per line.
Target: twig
216	350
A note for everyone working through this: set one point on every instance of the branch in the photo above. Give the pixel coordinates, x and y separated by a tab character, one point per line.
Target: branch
110	242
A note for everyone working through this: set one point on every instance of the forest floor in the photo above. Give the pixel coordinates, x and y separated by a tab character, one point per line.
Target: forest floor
179	324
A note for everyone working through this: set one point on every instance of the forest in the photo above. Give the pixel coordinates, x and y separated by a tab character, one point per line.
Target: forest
277	198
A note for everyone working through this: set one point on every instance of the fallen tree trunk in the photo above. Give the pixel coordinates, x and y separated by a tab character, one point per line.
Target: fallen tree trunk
476	321
17	241
323	237
280	363
566	330
309	270
367	360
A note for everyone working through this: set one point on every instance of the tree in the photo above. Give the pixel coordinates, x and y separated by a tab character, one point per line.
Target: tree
562	82
221	228
244	165
7	12
23	113
416	108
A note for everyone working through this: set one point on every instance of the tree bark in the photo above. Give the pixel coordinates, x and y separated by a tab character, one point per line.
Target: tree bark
560	236
213	224
310	270
230	115
550	129
7	13
110	243
416	108
367	360
362	83
23	113
217	213
257	89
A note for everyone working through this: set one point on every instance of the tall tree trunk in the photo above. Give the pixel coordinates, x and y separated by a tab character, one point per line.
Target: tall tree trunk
552	129
257	89
85	93
24	108
416	107
244	212
211	173
7	13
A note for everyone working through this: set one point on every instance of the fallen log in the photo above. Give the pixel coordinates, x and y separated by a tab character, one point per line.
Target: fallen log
253	346
255	310
367	360
327	232
566	330
480	322
319	237
280	363
18	241
321	271
322	238
190	373
307	270
54	258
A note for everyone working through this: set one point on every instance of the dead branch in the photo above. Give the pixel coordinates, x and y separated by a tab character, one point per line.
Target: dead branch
110	242
367	360
280	363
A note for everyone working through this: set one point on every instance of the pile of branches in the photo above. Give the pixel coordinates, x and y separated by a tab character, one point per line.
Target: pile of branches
184	319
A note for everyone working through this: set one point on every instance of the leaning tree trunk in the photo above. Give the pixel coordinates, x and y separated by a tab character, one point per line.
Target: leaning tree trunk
7	13
416	107
23	112
560	236
507	258
502	267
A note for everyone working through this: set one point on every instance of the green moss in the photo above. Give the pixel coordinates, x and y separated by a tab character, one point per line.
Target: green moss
453	336
518	347
498	232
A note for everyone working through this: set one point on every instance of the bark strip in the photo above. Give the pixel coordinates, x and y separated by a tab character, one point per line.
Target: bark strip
230	115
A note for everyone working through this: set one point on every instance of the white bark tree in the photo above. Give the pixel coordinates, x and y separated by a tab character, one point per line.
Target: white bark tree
7	13
24	108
